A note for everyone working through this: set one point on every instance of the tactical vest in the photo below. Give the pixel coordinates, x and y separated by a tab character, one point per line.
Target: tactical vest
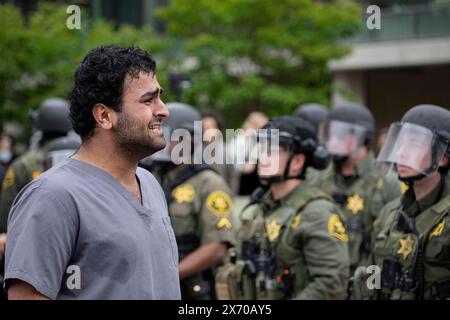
355	203
268	266
415	265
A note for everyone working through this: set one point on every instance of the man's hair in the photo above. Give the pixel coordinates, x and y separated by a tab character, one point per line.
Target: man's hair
100	78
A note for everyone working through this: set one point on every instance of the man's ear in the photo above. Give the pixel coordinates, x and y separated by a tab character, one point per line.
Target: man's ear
297	164
104	116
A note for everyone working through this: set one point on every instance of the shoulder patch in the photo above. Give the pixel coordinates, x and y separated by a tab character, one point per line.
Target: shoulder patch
9	178
219	203
224	223
336	228
184	193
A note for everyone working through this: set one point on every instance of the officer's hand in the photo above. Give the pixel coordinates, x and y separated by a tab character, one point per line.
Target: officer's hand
2	243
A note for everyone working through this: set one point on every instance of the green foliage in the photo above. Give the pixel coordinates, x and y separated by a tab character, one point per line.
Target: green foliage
38	58
260	54
242	55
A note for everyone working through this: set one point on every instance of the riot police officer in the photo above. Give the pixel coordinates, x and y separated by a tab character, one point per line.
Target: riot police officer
359	189
200	204
412	248
52	119
292	243
61	149
315	113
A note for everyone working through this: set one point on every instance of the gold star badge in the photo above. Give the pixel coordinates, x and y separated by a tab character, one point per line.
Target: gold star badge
296	221
406	246
437	230
355	203
184	193
273	230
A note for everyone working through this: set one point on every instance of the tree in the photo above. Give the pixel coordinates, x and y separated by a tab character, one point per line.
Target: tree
267	55
39	56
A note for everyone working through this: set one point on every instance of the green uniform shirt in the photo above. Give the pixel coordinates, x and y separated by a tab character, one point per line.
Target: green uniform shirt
201	206
407	271
361	198
304	243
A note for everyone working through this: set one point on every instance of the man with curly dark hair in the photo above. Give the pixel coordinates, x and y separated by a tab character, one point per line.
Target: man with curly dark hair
96	226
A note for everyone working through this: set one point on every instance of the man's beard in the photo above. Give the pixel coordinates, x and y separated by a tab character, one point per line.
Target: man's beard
134	138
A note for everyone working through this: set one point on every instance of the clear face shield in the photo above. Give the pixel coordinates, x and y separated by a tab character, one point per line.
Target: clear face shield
411	150
54	157
271	157
342	138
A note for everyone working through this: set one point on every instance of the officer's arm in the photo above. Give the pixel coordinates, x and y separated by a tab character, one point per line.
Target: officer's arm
326	254
20	290
215	225
203	258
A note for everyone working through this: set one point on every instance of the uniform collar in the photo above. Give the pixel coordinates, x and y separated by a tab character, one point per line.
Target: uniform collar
268	203
360	169
414	207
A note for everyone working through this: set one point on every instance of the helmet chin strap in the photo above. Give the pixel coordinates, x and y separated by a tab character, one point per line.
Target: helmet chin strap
409	181
267	181
339	162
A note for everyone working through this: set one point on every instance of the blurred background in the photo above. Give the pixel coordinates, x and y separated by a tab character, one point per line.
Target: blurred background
234	56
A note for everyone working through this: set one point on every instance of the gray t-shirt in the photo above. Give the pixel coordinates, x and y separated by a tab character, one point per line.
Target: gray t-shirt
78	220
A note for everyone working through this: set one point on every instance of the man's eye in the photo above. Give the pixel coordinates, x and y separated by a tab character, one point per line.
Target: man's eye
148	102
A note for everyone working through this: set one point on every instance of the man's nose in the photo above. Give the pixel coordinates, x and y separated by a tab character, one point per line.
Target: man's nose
161	110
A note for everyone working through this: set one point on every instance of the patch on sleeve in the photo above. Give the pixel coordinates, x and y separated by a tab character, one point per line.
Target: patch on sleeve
336	228
224	223
219	203
9	178
184	193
